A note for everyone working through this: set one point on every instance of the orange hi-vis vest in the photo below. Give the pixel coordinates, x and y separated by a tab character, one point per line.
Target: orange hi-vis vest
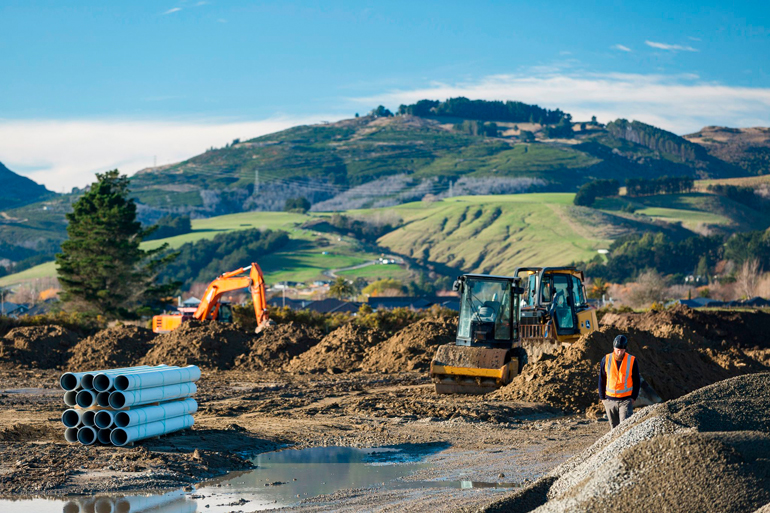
620	384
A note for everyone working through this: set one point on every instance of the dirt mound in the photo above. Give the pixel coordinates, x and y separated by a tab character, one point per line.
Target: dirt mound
277	345
413	347
737	328
42	347
342	350
29	433
120	346
671	365
707	451
208	344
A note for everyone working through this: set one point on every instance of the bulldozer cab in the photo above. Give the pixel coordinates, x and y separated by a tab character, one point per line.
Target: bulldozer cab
489	307
554	305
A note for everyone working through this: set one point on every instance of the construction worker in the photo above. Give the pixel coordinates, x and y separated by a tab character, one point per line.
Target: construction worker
619	382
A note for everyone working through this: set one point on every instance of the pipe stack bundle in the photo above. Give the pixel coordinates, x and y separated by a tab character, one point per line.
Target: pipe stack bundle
121	406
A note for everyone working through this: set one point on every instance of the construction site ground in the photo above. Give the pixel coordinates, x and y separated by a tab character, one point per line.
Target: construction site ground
543	435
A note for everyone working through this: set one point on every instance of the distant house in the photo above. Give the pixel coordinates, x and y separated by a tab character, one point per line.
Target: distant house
294	304
14	310
413	302
190	302
333	305
329	305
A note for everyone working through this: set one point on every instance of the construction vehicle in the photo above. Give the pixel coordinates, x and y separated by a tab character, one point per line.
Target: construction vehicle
212	307
507	320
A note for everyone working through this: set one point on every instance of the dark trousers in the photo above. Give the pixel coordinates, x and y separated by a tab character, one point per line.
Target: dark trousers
618	410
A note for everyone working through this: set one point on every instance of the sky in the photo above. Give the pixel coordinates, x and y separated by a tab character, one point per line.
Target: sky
88	86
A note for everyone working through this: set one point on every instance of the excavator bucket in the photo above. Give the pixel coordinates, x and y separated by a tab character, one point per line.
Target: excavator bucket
471	370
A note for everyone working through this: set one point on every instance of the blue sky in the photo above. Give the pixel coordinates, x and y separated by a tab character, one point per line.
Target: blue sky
136	82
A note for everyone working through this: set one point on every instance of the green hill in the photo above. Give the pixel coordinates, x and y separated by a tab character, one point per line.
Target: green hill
492	234
19	190
377	161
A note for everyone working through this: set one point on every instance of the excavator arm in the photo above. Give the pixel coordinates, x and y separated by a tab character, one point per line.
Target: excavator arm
228	282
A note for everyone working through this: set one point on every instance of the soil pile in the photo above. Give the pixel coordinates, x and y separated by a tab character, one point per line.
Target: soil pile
671	365
707	451
413	347
208	344
120	346
745	329
43	347
342	350
275	346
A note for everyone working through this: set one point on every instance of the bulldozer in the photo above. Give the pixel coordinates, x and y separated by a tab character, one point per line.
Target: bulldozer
212	307
505	321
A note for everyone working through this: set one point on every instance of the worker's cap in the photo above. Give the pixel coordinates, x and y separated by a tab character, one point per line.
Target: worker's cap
620	342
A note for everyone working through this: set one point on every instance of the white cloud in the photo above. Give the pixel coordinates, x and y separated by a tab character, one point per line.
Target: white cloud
63	154
680	103
172	10
670	48
622	48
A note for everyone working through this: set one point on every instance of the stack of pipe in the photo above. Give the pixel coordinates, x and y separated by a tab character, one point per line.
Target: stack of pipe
122	406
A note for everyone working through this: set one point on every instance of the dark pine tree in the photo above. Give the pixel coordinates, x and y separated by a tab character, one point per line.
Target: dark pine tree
101	268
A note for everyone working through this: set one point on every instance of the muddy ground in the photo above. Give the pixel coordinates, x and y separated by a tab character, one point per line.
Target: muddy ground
356	386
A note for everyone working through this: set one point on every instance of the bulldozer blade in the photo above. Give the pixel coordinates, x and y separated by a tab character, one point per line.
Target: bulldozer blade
450	355
465	388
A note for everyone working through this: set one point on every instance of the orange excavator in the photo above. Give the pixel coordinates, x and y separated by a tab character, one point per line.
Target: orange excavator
211	306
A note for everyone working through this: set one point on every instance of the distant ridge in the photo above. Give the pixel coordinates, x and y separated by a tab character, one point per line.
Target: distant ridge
19	190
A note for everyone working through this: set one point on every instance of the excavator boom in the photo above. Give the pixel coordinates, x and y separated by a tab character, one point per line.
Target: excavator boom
210	305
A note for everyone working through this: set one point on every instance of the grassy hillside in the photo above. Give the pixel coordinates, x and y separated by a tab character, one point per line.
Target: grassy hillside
697	212
491	234
19	190
323	161
746	148
496	234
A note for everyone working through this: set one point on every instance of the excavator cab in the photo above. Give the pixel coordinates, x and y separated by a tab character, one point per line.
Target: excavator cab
486	353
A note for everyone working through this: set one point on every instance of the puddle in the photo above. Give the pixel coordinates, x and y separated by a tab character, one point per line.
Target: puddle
281	479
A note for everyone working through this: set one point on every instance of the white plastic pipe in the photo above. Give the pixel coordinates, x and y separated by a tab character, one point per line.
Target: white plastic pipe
70	398
86	435
71	435
104	505
72	380
135	503
103	435
120	399
87	417
147	414
123	436
159	378
103	399
71	418
85	398
104	380
104	419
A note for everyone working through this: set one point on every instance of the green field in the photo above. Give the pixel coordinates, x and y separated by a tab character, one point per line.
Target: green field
377	272
695	211
490	234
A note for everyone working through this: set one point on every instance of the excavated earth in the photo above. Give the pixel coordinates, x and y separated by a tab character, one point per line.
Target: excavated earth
293	385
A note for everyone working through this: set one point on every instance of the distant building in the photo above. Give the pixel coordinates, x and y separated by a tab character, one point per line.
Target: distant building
14	310
413	302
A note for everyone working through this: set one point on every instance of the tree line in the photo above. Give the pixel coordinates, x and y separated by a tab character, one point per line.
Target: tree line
484	110
662	185
594	189
631	255
656	139
744	195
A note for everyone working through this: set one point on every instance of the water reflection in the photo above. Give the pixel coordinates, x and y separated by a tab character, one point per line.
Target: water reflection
173	502
281	479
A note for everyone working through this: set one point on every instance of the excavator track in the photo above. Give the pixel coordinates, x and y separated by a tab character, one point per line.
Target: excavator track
471	370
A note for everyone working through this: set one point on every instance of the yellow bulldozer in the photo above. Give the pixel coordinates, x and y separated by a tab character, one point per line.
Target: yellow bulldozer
505	321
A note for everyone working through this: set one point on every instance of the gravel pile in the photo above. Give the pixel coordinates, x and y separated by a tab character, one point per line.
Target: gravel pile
707	451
